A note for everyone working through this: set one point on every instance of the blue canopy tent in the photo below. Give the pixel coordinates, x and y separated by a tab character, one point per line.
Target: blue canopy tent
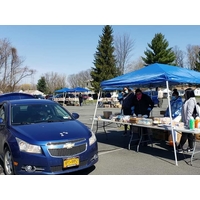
80	89
155	75
63	90
112	88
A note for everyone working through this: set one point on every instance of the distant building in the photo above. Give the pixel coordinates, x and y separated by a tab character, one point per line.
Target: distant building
197	92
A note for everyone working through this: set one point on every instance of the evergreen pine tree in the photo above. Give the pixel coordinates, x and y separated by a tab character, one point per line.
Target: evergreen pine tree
41	85
104	59
159	51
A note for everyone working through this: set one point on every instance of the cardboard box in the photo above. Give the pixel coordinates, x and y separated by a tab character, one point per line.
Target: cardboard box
160	134
162	112
106	114
178	137
197	136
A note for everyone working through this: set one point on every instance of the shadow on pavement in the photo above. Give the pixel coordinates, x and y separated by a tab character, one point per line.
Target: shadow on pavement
83	172
160	149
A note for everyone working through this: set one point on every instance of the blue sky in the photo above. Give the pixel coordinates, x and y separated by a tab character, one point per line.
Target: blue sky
70	49
58	37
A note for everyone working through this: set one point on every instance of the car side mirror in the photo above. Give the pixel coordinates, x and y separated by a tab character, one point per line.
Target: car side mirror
75	115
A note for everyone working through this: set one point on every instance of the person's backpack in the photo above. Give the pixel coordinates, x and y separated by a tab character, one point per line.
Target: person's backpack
196	112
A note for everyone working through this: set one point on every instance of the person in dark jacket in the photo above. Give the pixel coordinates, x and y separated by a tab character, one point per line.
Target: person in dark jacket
127	105
80	97
142	103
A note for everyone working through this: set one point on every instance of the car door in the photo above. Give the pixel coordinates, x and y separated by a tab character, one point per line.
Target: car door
2	127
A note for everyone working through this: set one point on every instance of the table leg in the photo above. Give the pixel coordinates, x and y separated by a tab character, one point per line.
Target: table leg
104	125
141	136
97	126
129	144
193	152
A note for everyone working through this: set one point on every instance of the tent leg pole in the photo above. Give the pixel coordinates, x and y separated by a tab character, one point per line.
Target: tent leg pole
95	111
172	130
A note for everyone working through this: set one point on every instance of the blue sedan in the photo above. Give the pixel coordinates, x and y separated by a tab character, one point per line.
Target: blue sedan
41	137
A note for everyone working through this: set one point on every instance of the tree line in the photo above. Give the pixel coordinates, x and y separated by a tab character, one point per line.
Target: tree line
112	58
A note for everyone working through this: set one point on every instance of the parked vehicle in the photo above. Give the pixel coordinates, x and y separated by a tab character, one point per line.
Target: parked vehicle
38	96
49	97
85	96
40	136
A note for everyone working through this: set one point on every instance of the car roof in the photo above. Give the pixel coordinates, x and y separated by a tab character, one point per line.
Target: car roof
30	101
15	95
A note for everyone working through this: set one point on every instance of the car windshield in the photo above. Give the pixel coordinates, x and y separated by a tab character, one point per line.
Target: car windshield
36	113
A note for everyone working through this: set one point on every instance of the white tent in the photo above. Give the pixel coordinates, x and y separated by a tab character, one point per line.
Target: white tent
166	90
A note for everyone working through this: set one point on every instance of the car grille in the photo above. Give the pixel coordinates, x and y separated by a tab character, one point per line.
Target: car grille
57	149
68	152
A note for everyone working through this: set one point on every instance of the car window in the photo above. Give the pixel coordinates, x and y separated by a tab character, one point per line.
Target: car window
2	113
60	112
35	113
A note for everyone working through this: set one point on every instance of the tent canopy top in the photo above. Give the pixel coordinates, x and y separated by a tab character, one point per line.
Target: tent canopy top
155	75
76	89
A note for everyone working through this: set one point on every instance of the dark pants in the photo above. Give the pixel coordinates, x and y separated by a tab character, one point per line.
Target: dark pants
184	138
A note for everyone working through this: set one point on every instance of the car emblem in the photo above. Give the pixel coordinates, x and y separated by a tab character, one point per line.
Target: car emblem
68	145
63	133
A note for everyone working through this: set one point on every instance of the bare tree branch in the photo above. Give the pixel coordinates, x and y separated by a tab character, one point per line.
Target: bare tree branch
179	60
11	70
123	48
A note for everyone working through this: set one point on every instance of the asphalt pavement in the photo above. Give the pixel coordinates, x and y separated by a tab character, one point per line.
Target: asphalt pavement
116	159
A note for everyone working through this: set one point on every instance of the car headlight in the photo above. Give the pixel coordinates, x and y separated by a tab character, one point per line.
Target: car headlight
92	139
29	148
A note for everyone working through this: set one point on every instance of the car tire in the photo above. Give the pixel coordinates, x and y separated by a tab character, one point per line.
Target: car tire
8	162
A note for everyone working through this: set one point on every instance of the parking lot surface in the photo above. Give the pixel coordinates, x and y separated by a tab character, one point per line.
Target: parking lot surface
116	159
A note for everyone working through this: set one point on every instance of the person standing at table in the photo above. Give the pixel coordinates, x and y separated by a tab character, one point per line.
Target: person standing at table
127	104
143	105
160	98
176	106
188	108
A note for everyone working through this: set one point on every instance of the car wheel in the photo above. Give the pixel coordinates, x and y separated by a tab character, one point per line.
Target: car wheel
8	162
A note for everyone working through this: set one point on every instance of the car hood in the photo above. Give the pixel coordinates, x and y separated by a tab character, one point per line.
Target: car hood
56	131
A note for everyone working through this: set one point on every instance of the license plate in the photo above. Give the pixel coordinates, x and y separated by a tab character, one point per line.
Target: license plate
70	162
